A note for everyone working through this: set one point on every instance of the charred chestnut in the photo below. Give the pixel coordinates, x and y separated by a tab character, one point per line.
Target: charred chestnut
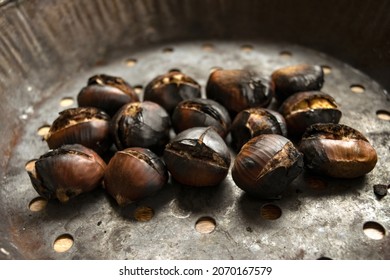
88	126
337	151
133	174
306	108
266	165
201	113
171	88
256	121
237	90
141	124
66	172
198	157
108	93
291	79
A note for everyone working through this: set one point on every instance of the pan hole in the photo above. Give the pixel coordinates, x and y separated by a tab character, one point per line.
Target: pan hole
324	258
374	230
327	69
143	213
285	54
63	243
357	88
383	115
99	223
213	69
168	50
66	102
37	204
174	70
270	212
130	62
205	225
43	130
247	48
207	47
316	183
138	89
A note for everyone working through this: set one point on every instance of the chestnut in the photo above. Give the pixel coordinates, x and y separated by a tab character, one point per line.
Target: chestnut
239	89
141	124
306	108
198	157
133	174
337	150
66	172
253	122
296	78
266	165
108	93
201	113
169	89
87	126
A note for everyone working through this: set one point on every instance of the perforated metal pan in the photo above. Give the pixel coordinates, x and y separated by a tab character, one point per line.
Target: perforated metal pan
48	50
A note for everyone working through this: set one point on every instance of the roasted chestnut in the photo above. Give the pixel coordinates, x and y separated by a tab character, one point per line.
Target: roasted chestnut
201	113
66	172
198	157
296	78
88	126
306	108
337	150
169	89
253	122
237	90
141	124
133	174
266	165
107	93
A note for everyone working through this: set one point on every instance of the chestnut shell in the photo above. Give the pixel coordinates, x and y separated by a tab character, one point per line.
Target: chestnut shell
306	108
141	124
198	157
87	126
133	174
337	150
171	88
201	113
296	78
266	165
239	89
108	93
66	172
256	121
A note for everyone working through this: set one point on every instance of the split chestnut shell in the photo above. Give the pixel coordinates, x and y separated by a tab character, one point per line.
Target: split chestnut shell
266	165
133	174
198	157
108	93
66	172
337	150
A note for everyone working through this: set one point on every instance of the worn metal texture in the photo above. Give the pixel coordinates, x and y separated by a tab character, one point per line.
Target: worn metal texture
50	48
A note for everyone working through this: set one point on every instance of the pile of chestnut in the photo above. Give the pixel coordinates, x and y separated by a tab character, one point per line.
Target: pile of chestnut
175	131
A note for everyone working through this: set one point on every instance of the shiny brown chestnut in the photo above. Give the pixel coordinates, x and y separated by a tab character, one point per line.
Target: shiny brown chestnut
201	113
266	165
87	126
171	88
66	172
254	122
306	108
239	89
141	124
133	174
198	157
296	78
337	150
108	93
